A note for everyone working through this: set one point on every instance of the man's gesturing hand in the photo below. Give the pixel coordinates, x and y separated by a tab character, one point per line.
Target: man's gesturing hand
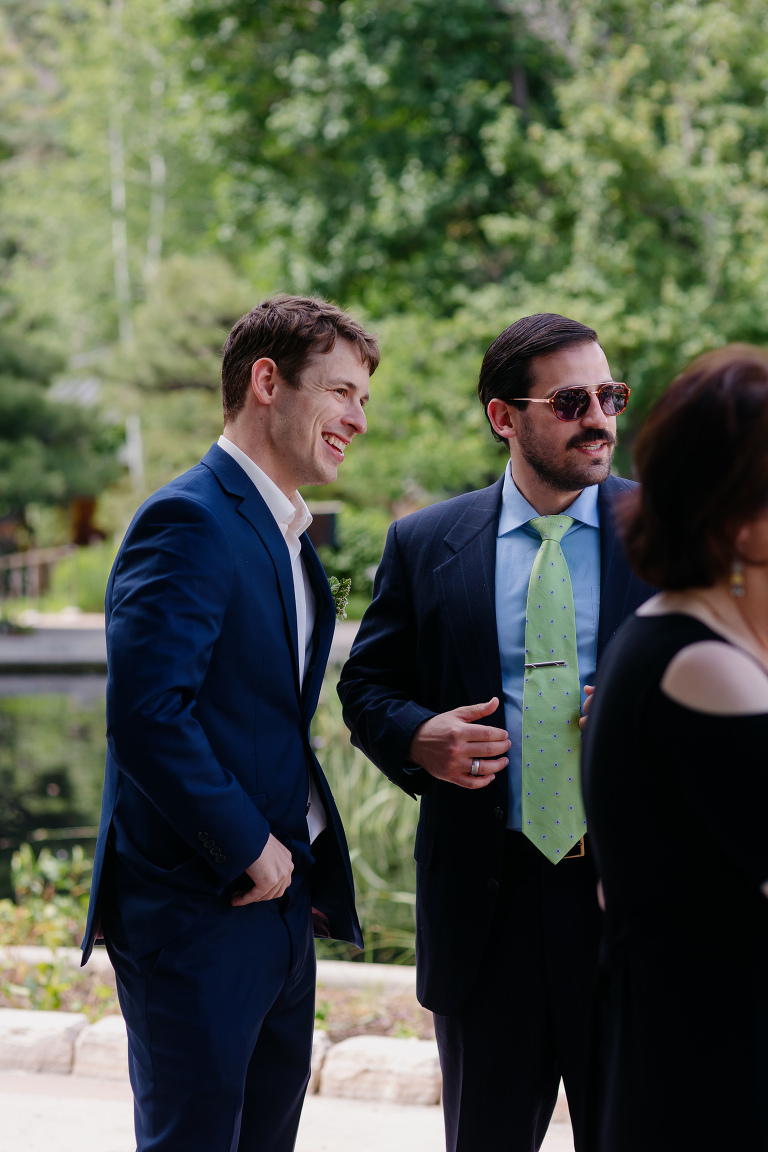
589	690
271	874
446	745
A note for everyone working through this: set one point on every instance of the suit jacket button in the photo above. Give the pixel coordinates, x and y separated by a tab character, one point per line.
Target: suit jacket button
493	885
215	850
498	813
221	859
208	843
202	835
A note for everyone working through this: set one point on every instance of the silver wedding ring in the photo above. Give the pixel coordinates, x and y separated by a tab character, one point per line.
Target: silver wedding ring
475	769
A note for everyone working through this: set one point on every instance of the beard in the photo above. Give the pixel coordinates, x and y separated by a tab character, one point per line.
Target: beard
561	471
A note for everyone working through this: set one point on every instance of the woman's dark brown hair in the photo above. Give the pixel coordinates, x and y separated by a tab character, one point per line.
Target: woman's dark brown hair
702	462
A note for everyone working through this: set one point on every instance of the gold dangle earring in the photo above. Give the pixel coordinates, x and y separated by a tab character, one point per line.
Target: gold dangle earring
737	578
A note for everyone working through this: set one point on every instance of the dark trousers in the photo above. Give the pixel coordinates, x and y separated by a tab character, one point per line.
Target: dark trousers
526	1021
220	1027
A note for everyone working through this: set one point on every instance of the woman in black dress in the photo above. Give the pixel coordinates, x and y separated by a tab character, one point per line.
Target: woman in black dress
675	774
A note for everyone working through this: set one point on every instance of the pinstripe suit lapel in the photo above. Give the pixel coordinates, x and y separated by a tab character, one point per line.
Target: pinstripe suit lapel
466	583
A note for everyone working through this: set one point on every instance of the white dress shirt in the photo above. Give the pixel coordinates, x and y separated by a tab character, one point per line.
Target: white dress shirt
292	517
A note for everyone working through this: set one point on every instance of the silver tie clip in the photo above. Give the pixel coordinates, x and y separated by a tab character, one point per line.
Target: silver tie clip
548	664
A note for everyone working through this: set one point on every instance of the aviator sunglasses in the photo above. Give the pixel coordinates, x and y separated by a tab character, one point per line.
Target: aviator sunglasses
573	403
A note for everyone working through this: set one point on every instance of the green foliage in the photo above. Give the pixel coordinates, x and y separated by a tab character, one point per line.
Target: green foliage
57	985
43	986
340	590
170	375
181	327
361	534
52	750
321	1015
357	135
50	450
655	183
383	147
51	903
47	876
50	909
380	823
81	578
449	168
53	924
95	95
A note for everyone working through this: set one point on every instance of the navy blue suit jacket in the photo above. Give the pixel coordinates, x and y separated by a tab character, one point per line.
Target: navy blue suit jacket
207	726
426	645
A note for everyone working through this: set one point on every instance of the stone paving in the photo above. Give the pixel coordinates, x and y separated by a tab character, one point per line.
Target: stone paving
71	1114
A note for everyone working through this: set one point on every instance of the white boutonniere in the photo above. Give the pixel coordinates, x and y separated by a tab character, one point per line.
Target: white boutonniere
340	590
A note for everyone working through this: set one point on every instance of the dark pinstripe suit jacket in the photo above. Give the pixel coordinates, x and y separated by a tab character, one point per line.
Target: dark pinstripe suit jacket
428	644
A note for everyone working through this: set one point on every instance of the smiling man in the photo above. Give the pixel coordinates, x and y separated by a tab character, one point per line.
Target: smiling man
220	844
489	615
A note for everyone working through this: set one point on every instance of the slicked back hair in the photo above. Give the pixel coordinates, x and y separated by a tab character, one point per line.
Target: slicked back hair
506	368
287	329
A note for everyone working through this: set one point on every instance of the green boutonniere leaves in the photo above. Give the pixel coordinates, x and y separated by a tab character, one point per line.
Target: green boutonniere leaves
340	590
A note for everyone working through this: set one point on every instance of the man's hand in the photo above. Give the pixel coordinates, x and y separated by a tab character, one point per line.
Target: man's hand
271	874
446	745
589	690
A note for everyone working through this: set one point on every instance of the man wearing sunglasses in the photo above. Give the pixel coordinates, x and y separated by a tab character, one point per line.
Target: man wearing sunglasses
464	685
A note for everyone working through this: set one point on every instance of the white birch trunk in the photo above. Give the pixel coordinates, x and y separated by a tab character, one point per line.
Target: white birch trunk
118	191
156	182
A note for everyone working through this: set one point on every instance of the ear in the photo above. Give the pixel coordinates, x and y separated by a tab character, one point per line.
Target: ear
752	541
504	418
264	379
742	539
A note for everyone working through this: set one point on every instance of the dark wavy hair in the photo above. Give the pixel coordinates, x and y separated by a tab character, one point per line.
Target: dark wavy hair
702	463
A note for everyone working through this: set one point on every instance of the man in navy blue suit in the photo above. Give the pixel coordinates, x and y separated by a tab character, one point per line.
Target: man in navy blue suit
220	845
449	687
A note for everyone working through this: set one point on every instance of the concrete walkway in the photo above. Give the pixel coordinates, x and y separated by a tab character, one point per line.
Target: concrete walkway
72	1114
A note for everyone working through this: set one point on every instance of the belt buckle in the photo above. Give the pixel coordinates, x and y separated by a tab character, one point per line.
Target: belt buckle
577	851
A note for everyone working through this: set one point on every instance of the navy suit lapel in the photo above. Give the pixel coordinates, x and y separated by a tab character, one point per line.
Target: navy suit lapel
467	587
616	578
325	622
253	508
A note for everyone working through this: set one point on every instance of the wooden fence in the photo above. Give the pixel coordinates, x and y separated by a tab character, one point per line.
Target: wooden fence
29	573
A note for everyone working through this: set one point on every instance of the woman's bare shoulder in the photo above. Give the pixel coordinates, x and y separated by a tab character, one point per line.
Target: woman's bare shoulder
715	677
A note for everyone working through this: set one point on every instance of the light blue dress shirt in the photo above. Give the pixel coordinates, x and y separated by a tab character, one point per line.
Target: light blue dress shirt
516	546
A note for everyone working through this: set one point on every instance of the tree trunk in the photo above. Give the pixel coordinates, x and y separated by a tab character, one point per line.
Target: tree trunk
118	190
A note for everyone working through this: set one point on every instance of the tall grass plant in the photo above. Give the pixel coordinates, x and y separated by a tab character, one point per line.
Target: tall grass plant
380	822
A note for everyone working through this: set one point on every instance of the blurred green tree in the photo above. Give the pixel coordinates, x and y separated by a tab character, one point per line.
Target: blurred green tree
388	148
109	162
357	138
170	374
51	450
657	176
446	169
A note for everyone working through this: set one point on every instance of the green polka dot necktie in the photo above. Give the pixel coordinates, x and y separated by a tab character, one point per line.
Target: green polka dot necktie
552	809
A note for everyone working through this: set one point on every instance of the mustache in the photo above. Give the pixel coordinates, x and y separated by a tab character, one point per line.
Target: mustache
590	438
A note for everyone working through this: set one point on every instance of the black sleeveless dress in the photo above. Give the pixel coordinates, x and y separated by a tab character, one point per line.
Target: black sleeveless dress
677	808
